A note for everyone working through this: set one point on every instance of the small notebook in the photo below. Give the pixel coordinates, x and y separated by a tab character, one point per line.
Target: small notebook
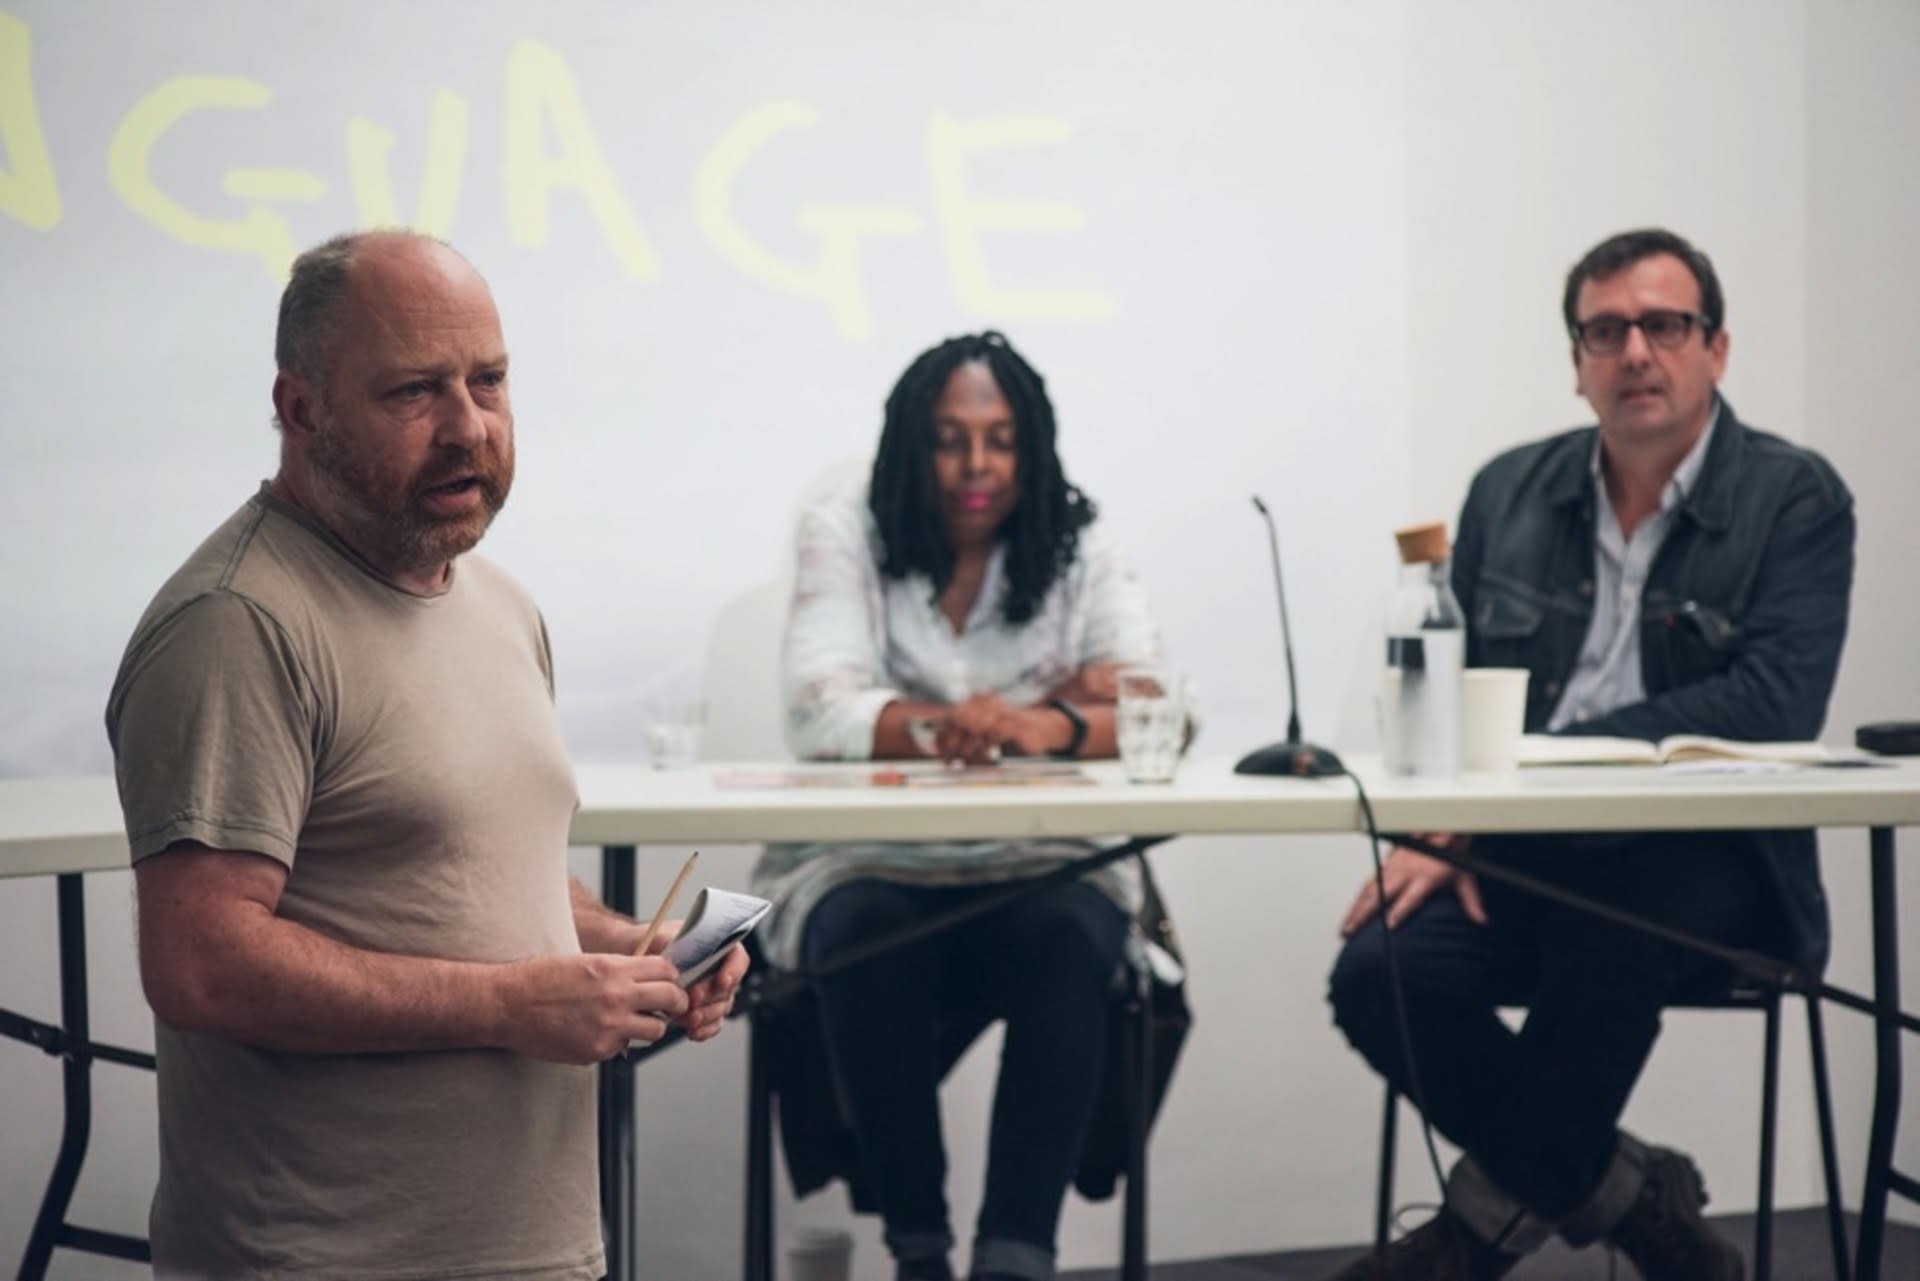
718	920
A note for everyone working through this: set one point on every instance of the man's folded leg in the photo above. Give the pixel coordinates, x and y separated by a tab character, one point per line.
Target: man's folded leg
1537	1111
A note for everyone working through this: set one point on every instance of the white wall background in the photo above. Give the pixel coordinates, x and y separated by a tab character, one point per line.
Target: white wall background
1310	249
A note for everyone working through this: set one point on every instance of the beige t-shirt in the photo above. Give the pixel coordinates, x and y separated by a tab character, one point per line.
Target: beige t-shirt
401	756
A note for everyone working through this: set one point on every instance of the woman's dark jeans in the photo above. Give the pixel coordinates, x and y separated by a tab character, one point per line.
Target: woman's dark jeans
1044	964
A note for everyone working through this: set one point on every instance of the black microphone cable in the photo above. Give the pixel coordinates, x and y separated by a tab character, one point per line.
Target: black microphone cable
1397	986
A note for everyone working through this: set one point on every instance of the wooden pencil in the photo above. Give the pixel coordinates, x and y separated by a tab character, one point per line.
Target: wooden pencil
666	904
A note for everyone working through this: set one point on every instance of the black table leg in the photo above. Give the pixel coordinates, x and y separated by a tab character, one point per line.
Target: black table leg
757	1245
1886	1036
617	890
76	1067
1133	1247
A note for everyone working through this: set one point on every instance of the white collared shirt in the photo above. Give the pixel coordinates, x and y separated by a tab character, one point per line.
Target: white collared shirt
1607	676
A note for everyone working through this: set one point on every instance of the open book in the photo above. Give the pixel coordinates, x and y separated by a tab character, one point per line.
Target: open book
718	920
1573	749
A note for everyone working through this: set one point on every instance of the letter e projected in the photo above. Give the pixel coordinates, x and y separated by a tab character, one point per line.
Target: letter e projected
963	219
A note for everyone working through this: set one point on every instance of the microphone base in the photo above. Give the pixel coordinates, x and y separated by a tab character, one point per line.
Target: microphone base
1302	760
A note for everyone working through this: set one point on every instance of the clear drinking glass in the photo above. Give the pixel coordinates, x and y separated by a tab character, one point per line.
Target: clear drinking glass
673	732
820	1254
1151	723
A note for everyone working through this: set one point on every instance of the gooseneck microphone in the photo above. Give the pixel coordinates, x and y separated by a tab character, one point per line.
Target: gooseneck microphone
1307	760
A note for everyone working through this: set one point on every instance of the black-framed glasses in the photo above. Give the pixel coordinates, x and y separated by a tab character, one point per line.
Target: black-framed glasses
1606	334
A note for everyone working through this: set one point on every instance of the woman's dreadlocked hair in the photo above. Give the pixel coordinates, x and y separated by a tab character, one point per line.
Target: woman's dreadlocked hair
1044	528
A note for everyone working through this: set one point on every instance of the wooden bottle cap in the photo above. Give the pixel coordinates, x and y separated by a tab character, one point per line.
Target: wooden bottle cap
1423	544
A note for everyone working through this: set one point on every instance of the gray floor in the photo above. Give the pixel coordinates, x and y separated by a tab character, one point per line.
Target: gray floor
1800	1253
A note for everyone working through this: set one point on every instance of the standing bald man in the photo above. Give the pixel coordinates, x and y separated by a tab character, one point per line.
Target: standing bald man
377	995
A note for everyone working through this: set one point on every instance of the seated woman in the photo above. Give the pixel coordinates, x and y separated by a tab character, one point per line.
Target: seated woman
965	605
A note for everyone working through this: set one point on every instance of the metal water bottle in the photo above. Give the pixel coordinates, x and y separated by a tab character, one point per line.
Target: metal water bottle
1421	729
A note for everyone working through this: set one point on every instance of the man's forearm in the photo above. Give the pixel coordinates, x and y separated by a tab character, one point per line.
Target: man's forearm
278	985
602	929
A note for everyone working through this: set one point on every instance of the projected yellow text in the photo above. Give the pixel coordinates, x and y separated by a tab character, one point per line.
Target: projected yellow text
549	152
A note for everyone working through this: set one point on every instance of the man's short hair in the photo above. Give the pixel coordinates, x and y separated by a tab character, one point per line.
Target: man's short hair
303	340
315	287
1616	253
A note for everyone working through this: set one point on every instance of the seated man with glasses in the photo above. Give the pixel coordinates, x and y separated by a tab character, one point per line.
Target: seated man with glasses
1671	570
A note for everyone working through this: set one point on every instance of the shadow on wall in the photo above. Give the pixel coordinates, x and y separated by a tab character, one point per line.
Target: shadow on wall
1357	731
741	683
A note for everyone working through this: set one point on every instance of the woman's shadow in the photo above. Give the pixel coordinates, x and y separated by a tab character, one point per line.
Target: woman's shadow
740	683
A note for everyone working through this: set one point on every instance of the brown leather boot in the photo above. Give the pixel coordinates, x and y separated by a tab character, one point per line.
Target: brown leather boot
1441	1249
1664	1234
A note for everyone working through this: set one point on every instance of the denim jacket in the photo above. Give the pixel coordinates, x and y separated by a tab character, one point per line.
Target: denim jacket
1742	619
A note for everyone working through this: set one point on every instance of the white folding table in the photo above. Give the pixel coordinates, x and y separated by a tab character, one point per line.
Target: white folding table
67	827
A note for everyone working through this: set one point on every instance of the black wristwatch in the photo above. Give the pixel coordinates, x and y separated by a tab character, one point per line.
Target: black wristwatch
1075	719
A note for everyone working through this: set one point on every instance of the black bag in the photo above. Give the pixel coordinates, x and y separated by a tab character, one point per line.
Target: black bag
1163	988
